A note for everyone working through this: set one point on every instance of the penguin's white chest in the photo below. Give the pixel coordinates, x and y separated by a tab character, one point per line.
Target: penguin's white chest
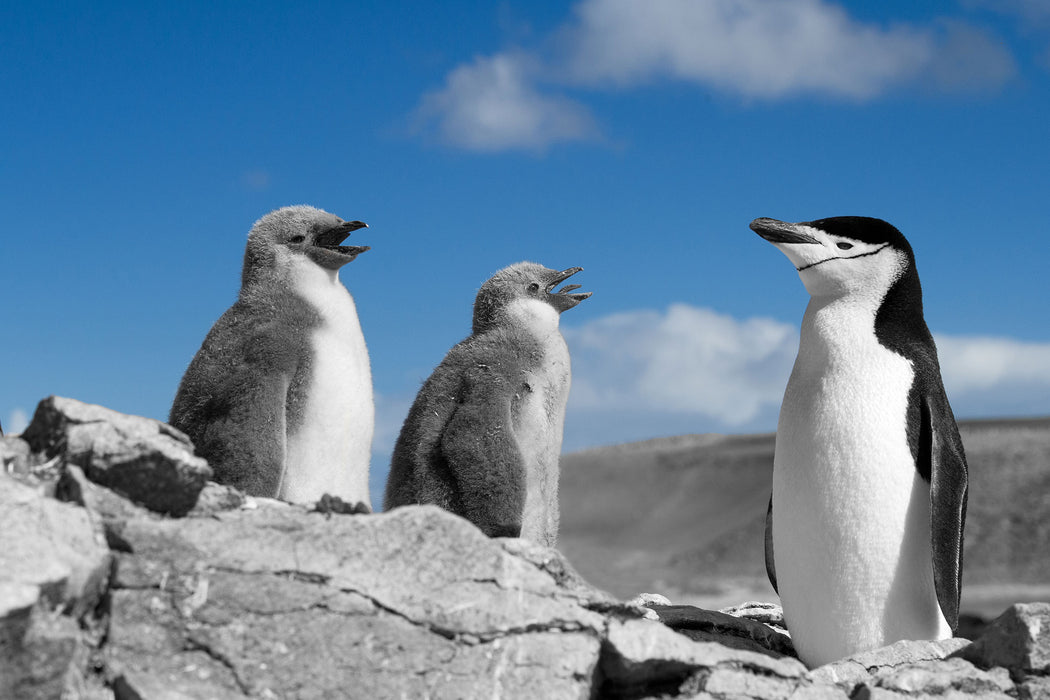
851	516
538	428
329	442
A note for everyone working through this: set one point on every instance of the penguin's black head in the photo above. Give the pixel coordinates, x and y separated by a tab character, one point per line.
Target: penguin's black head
296	233
842	254
525	292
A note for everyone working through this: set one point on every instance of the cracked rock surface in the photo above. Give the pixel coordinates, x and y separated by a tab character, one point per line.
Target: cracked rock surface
105	599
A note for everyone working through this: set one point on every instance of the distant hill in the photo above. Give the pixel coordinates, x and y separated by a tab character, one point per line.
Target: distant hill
684	516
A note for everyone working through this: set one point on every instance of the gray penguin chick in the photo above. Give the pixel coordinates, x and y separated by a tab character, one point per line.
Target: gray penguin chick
483	437
279	397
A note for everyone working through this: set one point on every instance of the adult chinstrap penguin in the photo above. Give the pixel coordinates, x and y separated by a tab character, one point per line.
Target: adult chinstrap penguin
483	437
864	534
279	397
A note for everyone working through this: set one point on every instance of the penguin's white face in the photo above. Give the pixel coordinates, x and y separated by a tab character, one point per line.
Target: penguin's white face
832	264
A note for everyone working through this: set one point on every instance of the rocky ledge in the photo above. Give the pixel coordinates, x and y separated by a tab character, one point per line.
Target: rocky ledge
105	595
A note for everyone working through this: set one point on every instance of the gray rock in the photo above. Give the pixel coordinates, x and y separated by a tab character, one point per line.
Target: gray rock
863	667
1034	688
1019	640
51	546
42	655
767	613
738	632
215	498
145	460
252	598
15	455
53	573
647	654
946	677
280	602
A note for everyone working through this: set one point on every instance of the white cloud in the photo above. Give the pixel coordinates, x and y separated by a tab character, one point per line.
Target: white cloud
755	49
493	105
975	364
686	360
728	375
16	422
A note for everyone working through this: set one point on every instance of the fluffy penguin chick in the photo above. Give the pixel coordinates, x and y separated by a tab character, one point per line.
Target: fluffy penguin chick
484	435
864	534
279	397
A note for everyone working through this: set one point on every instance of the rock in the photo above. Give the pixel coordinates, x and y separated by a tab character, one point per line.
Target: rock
255	598
1019	640
15	455
145	460
42	655
767	613
215	498
53	574
276	600
861	668
739	632
649	600
1035	688
646	654
945	677
51	546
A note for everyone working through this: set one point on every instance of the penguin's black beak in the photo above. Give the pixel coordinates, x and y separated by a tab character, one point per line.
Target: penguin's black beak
563	299
780	231
326	250
332	237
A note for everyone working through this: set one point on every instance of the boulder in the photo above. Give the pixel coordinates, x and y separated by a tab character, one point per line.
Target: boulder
54	571
866	666
145	460
1018	640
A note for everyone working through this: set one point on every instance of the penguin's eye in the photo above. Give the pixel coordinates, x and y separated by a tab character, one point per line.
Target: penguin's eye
297	239
534	287
843	245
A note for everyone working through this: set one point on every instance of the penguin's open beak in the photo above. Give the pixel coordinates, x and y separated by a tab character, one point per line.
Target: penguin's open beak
333	237
326	251
563	299
780	231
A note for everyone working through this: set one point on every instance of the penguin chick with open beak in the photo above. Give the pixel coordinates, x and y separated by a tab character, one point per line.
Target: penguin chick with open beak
484	435
279	397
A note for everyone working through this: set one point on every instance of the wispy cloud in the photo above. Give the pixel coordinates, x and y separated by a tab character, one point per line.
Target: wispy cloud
727	373
493	104
758	50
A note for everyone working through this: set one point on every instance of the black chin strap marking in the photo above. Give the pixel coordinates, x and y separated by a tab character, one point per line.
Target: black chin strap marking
851	257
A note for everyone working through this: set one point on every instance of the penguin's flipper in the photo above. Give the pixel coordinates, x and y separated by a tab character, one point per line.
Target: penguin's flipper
771	570
941	448
483	456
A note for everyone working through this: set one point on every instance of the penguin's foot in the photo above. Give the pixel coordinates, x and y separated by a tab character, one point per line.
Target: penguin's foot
329	504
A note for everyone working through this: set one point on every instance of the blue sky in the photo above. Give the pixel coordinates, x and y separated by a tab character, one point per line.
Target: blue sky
635	139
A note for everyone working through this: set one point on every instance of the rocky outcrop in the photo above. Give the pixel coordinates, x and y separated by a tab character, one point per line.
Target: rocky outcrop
145	460
103	598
